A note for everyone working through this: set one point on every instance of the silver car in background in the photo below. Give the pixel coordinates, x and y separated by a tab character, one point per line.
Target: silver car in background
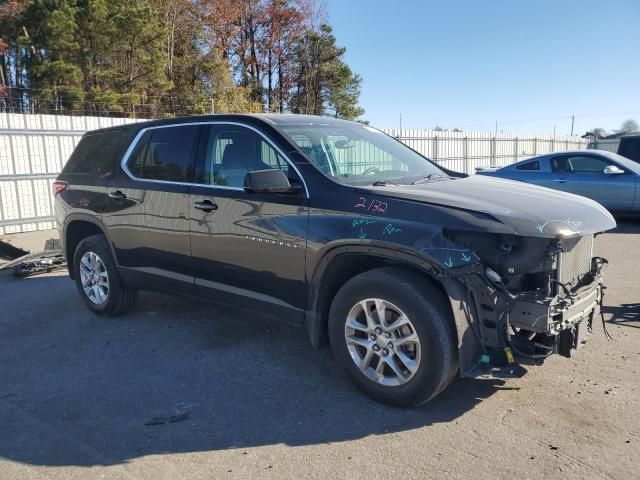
606	177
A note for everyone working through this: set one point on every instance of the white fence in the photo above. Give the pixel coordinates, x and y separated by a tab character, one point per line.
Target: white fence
465	151
33	149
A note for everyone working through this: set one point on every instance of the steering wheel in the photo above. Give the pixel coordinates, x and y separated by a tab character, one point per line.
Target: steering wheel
371	170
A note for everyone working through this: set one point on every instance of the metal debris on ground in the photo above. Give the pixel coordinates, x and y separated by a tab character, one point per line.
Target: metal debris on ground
24	264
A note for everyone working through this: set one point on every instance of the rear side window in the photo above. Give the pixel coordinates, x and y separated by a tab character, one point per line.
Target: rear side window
165	154
535	165
97	154
560	165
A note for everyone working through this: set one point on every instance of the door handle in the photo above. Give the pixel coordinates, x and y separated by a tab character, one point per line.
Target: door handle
205	205
560	180
117	195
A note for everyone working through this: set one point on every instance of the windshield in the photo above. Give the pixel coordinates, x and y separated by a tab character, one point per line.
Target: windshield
360	155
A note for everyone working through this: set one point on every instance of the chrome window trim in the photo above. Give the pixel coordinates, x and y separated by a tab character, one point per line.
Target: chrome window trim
134	143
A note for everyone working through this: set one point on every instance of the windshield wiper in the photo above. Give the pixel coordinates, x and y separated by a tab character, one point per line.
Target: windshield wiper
428	178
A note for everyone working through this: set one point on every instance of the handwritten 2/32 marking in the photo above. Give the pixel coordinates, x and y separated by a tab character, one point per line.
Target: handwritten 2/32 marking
375	206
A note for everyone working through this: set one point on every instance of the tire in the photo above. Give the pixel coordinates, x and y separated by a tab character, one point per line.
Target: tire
113	300
433	357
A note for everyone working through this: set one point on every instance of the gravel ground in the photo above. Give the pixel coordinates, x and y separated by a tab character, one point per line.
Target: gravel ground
183	389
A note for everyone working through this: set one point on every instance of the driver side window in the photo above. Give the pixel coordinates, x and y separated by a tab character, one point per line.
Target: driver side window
587	164
232	151
578	164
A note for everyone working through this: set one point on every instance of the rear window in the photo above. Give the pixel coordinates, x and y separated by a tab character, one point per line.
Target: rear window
165	154
97	154
630	148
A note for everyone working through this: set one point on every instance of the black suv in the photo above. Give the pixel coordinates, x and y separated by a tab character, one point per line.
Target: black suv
411	272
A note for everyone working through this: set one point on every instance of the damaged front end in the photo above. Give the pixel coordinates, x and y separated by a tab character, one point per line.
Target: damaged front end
528	297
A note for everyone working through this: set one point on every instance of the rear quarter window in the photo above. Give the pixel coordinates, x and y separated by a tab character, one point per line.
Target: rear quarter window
98	154
534	165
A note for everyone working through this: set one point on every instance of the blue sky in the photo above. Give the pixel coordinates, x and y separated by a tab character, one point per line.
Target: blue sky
529	65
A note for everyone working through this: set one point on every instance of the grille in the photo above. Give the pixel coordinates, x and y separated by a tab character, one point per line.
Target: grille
575	260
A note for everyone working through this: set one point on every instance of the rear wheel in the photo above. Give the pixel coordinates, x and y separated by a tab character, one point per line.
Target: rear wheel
391	330
97	278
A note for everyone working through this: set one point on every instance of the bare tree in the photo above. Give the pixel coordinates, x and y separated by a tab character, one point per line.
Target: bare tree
629	125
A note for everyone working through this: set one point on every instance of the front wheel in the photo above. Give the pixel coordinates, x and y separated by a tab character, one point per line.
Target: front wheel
391	330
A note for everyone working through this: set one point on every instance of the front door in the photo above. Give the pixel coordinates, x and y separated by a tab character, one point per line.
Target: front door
583	174
248	249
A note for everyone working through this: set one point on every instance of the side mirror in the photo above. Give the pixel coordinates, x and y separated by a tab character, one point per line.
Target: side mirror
267	181
612	170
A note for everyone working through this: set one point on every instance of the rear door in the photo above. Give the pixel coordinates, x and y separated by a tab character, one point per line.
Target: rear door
147	212
248	249
583	174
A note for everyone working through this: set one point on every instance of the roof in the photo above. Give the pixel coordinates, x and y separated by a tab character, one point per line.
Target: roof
624	161
274	119
298	119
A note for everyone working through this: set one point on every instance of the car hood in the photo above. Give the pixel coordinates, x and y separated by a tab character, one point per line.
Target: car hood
528	210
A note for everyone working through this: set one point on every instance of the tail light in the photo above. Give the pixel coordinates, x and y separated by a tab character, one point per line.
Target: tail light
58	186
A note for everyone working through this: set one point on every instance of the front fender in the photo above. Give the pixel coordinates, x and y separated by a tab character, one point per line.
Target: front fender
468	346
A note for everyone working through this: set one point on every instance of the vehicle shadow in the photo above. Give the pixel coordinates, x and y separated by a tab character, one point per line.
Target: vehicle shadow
626	314
175	376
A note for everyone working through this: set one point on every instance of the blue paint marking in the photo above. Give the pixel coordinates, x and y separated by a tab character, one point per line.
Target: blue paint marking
389	229
465	255
361	221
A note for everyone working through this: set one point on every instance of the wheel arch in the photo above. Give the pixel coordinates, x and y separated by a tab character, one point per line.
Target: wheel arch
78	227
342	263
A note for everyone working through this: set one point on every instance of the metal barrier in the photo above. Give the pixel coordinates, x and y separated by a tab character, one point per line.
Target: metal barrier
33	150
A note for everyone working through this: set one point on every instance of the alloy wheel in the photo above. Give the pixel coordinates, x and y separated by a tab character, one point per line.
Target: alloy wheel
382	342
94	278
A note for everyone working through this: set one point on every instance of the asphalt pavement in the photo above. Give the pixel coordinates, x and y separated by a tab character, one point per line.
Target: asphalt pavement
185	389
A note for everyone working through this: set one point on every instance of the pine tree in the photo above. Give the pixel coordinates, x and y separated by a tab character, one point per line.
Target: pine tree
324	82
154	58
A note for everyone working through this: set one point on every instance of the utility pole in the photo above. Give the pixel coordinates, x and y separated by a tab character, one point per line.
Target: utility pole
213	108
496	134
400	124
572	119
